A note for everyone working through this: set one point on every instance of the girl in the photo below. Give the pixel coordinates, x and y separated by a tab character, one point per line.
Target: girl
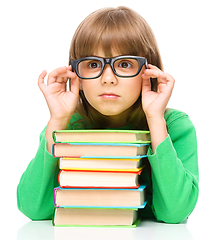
112	87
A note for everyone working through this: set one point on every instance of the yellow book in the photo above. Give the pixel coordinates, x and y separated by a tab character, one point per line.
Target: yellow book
103	164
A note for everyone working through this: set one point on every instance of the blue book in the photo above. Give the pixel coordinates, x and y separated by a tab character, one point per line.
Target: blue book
100	150
124	198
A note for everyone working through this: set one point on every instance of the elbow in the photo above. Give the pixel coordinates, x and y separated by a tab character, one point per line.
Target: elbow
177	211
172	216
33	210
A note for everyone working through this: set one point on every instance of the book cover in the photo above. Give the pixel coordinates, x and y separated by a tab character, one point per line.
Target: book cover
100	197
123	136
103	150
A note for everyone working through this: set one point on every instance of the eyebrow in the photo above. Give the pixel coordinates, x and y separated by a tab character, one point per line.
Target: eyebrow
109	57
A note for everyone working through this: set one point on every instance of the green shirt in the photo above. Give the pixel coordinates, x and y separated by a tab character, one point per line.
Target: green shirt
171	174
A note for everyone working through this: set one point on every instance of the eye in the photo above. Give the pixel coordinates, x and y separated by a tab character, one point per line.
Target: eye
94	65
125	64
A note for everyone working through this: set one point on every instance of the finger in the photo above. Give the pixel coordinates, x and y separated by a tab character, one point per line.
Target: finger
166	84
63	77
69	68
150	66
152	73
146	85
166	78
55	73
75	82
41	83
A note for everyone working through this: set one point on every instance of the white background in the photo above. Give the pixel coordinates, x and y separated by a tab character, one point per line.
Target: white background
36	35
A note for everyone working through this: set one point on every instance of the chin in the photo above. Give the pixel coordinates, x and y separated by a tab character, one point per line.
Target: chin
108	112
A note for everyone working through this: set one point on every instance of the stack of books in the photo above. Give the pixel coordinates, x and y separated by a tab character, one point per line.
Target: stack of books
99	178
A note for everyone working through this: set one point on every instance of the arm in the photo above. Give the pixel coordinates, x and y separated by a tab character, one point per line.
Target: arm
175	171
173	153
35	189
61	103
154	103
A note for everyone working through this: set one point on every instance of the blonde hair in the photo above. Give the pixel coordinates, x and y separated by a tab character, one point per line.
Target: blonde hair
115	29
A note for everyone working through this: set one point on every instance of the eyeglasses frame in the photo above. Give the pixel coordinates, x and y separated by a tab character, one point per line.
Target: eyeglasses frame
141	61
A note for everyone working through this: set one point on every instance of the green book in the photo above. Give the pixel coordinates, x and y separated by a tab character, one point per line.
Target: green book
90	217
101	136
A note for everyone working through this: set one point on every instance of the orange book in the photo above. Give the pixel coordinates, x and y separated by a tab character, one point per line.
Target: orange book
98	179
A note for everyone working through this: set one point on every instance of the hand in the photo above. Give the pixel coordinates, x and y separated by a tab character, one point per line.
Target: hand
154	103
61	103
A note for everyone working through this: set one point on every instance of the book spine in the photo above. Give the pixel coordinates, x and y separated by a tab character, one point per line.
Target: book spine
105	170
54	136
55	193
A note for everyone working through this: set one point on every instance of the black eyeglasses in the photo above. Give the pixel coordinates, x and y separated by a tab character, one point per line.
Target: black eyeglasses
122	66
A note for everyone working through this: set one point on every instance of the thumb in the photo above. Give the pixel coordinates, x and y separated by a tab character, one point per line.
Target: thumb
74	85
41	83
146	84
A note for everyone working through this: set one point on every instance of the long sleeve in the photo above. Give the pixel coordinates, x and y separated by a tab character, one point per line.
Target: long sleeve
174	168
172	190
35	189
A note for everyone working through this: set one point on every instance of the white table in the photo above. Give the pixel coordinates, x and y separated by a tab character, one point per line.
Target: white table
146	230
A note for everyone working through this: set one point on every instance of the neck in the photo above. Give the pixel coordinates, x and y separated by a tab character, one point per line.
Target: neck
118	121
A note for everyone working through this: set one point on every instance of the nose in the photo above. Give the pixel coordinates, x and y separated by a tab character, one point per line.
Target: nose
108	76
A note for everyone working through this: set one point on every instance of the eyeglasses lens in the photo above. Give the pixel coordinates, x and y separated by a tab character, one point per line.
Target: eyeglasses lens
89	68
126	67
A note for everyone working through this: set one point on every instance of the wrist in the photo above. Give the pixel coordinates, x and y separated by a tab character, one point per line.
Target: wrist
158	131
153	121
54	124
58	123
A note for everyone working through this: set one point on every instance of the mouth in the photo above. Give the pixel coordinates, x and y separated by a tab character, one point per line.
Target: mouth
109	95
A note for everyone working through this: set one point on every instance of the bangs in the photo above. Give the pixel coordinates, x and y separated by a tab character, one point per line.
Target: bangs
111	30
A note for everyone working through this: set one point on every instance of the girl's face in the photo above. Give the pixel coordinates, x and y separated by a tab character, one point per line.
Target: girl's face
111	95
